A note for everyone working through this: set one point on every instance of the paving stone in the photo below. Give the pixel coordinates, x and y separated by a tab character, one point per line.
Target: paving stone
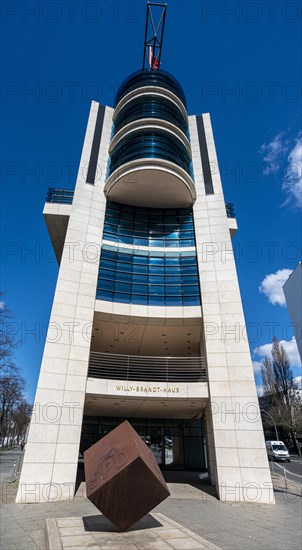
76	540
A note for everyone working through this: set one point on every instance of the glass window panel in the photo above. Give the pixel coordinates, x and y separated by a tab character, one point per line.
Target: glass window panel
187	242
189	280
173	270
173	300
172	261
127	224
104	295
191	290
173	280
125	277
156	279
107	254
191	301
124	298
122	287
120	266
142	279
173	290
156	261
124	239
139	289
140	218
140	233
140	269
156	300
189	270
156	242
136	299
140	241
187	235
172	244
188	260
173	235
156	269
156	289
107	274
103	284
106	264
142	260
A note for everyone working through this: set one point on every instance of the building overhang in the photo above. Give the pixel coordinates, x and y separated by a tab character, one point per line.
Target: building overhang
151	182
232	226
145	399
56	216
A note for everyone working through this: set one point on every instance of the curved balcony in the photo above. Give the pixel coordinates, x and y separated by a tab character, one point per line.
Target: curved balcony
155	126
147	77
151	182
160	94
154	107
151	167
147	369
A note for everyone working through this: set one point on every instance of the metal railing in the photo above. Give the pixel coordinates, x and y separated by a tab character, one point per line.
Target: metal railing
65	196
16	471
61	196
147	368
230	210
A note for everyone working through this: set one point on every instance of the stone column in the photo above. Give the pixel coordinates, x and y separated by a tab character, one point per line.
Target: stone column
51	455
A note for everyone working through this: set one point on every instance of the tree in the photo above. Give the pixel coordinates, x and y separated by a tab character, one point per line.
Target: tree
8	342
14	409
281	392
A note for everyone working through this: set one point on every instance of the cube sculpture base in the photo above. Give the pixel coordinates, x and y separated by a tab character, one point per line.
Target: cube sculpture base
123	479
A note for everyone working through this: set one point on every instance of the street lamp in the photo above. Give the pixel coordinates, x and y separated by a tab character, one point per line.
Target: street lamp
263	410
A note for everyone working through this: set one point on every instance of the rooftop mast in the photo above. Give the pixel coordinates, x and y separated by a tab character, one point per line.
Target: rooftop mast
155	25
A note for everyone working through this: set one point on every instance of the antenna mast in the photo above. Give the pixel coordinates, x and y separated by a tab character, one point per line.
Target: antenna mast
155	25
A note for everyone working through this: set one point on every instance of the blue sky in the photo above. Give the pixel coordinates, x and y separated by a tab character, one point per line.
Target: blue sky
240	61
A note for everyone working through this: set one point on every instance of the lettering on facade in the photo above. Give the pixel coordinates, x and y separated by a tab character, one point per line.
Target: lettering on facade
148	389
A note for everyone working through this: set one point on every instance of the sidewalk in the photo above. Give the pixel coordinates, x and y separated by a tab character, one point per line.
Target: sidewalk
192	504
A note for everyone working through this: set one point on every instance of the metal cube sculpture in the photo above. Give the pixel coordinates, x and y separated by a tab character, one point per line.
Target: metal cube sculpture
123	479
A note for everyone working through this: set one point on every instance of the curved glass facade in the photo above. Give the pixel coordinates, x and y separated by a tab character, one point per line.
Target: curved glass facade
149	226
149	77
149	279
150	144
151	107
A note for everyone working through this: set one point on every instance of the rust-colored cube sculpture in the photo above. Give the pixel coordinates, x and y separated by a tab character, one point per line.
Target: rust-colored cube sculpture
123	479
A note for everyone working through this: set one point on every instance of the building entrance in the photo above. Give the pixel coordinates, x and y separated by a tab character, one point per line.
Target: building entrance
177	444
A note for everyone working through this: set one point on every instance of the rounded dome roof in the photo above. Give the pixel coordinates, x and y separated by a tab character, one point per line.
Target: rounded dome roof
150	77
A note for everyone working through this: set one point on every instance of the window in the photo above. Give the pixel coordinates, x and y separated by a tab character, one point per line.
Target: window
153	279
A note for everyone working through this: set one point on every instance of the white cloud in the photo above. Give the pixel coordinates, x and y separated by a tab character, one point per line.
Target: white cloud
272	285
2	305
256	367
259	391
290	348
273	153
292	182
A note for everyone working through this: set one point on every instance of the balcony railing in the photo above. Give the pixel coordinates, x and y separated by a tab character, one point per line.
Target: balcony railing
65	196
61	196
230	210
147	369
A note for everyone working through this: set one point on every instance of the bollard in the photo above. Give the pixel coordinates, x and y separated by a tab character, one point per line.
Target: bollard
285	479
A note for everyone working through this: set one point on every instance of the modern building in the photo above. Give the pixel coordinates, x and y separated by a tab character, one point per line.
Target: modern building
147	321
292	289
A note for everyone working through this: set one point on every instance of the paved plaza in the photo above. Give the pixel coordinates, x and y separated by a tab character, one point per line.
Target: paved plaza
192	505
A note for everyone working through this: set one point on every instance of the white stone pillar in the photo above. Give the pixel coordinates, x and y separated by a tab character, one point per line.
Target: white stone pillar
237	453
51	454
